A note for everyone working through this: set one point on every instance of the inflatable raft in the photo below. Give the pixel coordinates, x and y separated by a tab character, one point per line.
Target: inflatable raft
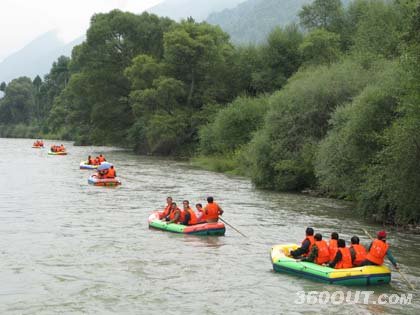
37	147
367	275
57	153
85	166
94	180
213	229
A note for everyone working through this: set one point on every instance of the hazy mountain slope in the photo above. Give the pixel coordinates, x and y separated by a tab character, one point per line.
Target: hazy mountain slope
252	21
35	58
198	9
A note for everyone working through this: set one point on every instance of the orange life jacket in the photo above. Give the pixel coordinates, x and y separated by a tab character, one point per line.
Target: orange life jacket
323	252
181	216
333	247
360	252
377	252
345	261
101	159
193	217
172	214
211	211
312	241
111	173
165	212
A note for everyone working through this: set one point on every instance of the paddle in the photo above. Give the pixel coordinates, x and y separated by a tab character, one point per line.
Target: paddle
233	227
399	271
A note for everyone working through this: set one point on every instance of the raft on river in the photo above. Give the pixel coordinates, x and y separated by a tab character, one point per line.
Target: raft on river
57	153
366	275
85	166
213	229
95	180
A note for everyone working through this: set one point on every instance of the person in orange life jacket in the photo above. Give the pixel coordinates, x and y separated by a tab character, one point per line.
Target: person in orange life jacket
96	161
378	249
200	213
212	211
343	257
101	173
167	209
306	246
189	215
175	215
101	158
111	172
332	245
357	252
319	253
62	148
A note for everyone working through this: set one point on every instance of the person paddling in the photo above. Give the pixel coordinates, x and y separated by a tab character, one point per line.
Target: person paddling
212	211
306	246
378	249
319	253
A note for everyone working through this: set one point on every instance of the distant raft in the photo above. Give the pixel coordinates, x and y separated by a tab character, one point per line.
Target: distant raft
57	153
94	180
211	229
37	147
367	275
85	166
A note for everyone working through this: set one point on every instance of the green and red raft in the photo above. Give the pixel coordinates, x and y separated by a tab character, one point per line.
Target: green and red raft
213	229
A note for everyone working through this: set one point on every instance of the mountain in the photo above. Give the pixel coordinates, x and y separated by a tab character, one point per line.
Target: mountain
253	20
36	57
198	9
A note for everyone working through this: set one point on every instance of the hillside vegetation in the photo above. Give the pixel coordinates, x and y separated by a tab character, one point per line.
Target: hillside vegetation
334	108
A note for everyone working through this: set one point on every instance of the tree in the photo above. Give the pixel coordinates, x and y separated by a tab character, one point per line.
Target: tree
320	47
18	103
326	14
196	54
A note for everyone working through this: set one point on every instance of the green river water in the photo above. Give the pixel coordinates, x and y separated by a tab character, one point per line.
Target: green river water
70	248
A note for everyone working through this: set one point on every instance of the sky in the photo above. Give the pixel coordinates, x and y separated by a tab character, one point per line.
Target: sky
21	21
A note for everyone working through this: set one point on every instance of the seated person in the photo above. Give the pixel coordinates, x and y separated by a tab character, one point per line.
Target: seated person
357	252
343	257
175	216
189	215
319	253
306	246
200	213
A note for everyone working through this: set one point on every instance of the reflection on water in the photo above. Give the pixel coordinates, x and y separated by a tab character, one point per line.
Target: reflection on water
68	247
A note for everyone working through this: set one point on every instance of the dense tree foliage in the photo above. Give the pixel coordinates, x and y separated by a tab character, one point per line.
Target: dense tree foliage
333	107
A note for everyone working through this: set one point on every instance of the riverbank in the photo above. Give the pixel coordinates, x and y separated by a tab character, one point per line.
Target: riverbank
229	164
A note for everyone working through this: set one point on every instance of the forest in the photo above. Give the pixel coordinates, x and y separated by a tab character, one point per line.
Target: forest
330	104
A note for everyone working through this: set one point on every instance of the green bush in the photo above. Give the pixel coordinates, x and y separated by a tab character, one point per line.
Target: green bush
233	126
281	155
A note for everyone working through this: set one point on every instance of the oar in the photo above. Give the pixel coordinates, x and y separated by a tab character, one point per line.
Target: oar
399	271
233	227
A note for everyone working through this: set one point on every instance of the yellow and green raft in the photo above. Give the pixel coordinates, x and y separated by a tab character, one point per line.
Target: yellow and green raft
367	275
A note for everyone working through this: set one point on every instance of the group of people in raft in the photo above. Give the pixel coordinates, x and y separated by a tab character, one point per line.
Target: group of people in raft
38	143
187	216
58	148
104	173
335	254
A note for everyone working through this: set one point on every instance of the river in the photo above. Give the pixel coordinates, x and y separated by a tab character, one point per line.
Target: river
68	247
